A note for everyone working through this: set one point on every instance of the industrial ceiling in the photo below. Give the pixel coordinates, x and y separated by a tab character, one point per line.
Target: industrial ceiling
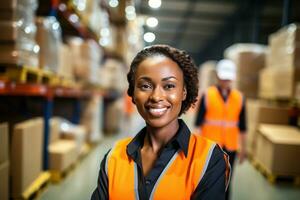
204	28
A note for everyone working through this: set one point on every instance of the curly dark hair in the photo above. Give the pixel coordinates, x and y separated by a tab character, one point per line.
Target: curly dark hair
183	60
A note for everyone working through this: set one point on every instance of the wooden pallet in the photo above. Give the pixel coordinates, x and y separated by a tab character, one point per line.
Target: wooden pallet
26	74
275	178
36	188
58	176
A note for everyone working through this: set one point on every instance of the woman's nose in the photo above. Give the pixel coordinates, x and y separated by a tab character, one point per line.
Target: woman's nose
157	94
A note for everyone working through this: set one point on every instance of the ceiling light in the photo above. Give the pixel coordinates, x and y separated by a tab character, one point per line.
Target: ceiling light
55	26
130	16
152	22
73	18
81	5
149	37
113	3
154	3
104	32
104	41
62	7
130	9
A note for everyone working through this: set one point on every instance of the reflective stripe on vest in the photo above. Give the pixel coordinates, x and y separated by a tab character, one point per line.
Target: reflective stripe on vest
182	174
221	123
221	118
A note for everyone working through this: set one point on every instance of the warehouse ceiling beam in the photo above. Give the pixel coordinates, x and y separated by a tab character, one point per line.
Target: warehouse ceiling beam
210	50
286	12
173	12
184	22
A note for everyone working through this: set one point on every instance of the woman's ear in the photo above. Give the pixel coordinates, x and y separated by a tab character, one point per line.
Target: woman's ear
184	93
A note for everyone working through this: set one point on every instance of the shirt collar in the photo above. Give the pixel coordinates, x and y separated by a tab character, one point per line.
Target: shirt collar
182	138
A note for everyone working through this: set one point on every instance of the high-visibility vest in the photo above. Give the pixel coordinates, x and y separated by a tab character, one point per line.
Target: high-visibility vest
177	181
221	118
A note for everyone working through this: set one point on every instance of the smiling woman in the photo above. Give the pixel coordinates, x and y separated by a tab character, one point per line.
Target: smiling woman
164	156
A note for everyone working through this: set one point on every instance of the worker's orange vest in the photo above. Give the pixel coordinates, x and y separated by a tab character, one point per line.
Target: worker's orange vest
177	181
221	118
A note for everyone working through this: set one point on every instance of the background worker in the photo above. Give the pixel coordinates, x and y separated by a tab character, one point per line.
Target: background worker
221	115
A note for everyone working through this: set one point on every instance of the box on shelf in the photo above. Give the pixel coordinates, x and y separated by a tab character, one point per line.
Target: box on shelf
86	58
54	129
77	133
249	59
284	51
278	149
13	4
207	75
3	142
15	30
65	65
22	53
4	180
62	154
49	39
278	83
26	154
92	119
112	75
259	111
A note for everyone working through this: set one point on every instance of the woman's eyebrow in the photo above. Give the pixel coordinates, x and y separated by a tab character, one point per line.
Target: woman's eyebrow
169	77
144	78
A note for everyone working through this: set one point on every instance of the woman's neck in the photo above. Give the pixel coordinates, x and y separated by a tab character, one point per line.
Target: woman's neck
157	138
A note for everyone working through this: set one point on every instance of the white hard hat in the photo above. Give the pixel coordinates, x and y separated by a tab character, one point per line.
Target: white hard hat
226	70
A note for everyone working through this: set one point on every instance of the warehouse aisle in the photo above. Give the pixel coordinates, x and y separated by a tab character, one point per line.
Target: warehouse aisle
248	183
82	181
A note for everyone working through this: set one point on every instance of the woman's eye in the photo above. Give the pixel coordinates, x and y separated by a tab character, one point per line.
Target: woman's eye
145	86
169	86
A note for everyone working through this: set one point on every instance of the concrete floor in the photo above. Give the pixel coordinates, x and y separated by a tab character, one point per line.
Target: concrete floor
247	182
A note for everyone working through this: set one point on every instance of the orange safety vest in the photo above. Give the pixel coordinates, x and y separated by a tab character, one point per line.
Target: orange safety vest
177	181
222	118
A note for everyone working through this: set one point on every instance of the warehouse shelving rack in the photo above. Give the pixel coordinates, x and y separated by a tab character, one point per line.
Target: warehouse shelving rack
47	95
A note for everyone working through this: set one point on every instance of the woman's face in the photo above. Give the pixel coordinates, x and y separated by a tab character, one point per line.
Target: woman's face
159	90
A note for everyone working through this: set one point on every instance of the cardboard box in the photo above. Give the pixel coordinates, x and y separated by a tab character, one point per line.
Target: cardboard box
258	112
278	83
4	180
13	31
26	154
3	142
207	75
13	4
24	13
54	129
92	119
65	65
49	39
62	154
24	53
278	149
285	48
249	59
77	133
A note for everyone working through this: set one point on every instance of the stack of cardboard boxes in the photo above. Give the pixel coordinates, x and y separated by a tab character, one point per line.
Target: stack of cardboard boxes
64	150
17	36
86	59
272	141
278	149
282	72
258	112
249	59
48	37
4	162
207	75
26	154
